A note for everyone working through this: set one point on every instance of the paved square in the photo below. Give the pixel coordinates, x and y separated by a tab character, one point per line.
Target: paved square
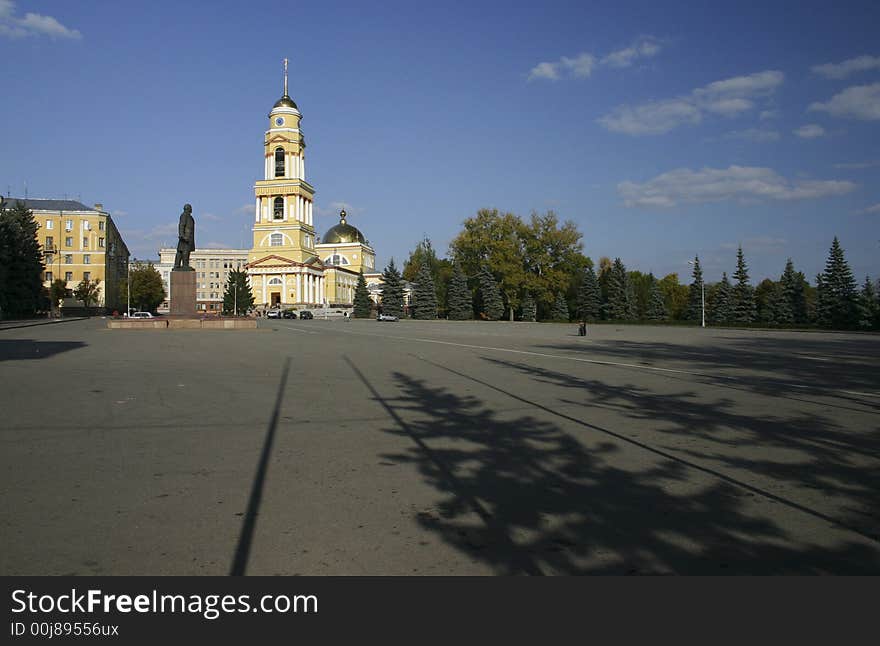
358	447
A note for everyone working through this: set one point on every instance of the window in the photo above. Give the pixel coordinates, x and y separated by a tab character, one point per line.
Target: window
68	225
275	281
336	259
49	276
87	259
87	275
68	241
68	276
279	162
101	225
276	240
101	242
50	243
85	225
278	208
85	242
68	259
50	225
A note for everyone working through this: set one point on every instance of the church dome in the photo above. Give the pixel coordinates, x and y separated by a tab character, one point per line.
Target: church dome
343	232
285	102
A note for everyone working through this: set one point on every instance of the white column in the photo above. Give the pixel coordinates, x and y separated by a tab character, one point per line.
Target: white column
264	288
284	212
299	288
311	221
302	167
311	288
299	202
288	162
321	284
257	210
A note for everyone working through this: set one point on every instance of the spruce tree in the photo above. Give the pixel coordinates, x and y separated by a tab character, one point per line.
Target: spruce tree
21	262
656	305
362	303
493	306
619	306
743	296
461	306
786	298
868	306
238	297
392	291
694	311
529	308
720	310
589	298
560	309
799	299
425	296
840	290
823	303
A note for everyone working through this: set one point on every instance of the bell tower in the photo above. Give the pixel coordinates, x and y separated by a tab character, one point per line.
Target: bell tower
283	220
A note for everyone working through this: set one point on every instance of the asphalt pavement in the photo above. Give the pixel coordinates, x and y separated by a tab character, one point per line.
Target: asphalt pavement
359	447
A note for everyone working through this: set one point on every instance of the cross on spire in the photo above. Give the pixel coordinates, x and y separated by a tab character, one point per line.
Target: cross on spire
285	77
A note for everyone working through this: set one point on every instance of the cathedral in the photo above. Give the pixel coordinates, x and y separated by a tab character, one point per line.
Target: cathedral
287	265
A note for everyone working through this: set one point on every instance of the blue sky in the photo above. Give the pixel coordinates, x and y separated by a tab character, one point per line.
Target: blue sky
663	130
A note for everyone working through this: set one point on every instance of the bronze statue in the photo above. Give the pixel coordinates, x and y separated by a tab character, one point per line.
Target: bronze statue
186	239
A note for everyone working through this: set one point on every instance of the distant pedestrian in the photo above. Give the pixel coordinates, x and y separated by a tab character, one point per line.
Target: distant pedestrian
582	330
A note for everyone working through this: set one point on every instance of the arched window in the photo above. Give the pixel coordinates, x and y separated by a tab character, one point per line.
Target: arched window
279	162
276	240
278	208
275	281
336	259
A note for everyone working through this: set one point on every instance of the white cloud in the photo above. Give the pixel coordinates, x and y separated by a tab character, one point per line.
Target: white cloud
810	131
757	135
768	114
729	98
743	183
859	102
582	65
211	216
858	165
247	209
871	209
33	24
215	245
644	47
579	67
844	69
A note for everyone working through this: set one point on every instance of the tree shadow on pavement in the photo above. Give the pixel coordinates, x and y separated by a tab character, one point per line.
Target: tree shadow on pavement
18	349
523	496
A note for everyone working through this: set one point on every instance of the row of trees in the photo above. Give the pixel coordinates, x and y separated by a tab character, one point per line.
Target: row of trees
21	263
502	266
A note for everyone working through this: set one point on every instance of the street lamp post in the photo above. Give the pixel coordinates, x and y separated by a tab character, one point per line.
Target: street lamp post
235	298
702	295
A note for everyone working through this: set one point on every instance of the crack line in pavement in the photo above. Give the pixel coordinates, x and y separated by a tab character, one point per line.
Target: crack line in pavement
717	474
242	550
517	559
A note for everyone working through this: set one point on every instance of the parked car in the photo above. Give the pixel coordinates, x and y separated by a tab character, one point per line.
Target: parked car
273	314
288	314
306	314
141	315
386	317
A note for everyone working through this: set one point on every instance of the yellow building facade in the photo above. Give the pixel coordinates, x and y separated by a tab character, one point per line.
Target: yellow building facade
287	265
80	242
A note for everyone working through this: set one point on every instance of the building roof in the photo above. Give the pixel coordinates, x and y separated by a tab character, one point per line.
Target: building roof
48	205
343	232
285	102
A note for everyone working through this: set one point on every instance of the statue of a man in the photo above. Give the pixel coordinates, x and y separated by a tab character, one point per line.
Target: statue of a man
186	238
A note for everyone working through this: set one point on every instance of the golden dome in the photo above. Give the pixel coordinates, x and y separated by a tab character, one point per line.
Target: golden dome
285	102
343	232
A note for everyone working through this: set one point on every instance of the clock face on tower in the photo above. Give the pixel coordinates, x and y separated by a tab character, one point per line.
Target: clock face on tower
279	121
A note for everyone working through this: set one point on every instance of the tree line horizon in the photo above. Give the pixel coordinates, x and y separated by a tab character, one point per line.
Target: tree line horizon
502	266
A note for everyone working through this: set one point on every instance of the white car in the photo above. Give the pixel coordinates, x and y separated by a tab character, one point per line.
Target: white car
386	317
142	315
273	314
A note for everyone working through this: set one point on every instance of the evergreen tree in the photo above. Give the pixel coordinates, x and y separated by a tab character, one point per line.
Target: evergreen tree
21	262
656	305
529	308
619	306
362	303
869	308
560	309
238	297
786	301
425	296
460	299
694	311
841	306
493	306
392	291
743	296
823	303
720	312
589	297
799	299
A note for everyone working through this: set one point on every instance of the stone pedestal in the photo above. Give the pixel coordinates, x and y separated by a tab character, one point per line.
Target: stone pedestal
183	293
